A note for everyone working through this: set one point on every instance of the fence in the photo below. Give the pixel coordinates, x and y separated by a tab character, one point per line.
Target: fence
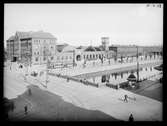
123	85
76	79
112	86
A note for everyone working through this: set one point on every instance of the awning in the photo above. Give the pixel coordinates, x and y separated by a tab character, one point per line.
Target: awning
131	77
160	68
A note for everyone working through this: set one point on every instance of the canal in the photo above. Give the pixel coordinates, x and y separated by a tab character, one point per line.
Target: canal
118	77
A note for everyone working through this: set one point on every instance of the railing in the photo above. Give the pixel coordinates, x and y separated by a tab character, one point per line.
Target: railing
75	79
112	86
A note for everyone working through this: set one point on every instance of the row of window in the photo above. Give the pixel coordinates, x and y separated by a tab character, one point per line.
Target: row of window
64	57
38	41
93	56
58	58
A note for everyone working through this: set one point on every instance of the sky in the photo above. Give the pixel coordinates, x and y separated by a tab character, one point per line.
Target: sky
85	24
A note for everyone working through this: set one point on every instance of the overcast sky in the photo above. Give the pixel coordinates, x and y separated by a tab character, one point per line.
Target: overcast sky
85	24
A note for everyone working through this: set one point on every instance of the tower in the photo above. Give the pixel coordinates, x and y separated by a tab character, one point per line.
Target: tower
105	43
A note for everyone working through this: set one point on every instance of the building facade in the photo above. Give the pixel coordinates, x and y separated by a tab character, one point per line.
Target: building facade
31	47
40	47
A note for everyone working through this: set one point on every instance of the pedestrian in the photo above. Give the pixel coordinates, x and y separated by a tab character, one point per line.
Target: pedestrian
26	109
131	119
29	92
125	98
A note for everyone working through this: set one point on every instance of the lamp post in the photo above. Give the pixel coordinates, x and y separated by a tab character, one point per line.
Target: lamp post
73	58
47	67
46	54
137	65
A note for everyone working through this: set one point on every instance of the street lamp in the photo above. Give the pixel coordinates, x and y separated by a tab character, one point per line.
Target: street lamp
73	58
47	54
137	65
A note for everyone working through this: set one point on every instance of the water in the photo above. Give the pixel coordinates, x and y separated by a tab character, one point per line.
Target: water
115	78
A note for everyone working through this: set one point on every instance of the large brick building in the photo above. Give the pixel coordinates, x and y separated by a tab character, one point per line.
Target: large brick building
34	47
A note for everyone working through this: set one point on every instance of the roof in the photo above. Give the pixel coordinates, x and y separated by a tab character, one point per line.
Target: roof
81	47
68	48
98	49
131	77
60	47
11	38
91	48
160	68
38	34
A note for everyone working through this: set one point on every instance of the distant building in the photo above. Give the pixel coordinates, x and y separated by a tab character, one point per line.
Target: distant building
105	43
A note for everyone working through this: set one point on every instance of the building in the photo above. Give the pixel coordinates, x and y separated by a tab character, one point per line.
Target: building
40	47
32	47
105	43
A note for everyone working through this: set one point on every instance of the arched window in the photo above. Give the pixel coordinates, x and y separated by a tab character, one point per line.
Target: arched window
78	57
93	56
99	56
90	56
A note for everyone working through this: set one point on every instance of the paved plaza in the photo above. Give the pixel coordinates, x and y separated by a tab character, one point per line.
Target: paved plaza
103	99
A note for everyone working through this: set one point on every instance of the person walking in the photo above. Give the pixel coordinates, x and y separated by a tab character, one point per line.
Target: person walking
126	98
26	109
131	119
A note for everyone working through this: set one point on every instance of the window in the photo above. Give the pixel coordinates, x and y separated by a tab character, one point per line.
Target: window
52	58
90	56
84	56
38	53
70	57
36	59
78	57
62	58
99	56
44	58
